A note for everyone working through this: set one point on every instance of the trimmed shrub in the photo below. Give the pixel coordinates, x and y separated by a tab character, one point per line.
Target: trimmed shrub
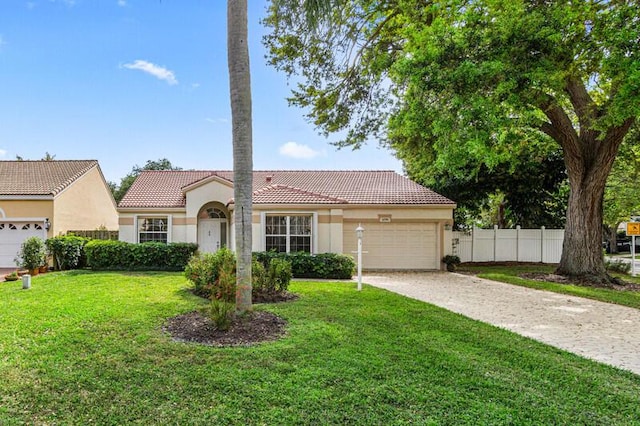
279	275
305	265
32	254
213	276
67	252
268	282
120	255
617	265
204	270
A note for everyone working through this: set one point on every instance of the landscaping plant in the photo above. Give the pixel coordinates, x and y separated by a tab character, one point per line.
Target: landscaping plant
67	251
223	296
32	254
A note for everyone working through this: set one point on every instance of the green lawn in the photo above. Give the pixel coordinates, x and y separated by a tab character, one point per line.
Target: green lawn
87	348
511	274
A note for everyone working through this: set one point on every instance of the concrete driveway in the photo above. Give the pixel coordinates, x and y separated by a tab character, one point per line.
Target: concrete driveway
601	331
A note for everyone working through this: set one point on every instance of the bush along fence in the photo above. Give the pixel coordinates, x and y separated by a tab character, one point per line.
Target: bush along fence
120	255
509	245
67	252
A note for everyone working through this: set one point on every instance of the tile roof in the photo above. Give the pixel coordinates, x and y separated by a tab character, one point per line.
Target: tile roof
165	188
282	194
41	177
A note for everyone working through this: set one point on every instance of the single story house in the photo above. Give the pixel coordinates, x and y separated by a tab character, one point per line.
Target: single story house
406	226
49	198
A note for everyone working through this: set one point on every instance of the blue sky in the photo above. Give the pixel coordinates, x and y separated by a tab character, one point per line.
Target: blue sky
126	81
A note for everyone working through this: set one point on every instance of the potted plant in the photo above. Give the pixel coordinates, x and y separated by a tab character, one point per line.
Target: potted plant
31	255
452	261
12	276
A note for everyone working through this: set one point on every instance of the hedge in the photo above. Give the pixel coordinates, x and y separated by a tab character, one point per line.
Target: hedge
67	252
305	265
120	255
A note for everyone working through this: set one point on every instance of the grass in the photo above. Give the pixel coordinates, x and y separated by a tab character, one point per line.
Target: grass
511	274
87	348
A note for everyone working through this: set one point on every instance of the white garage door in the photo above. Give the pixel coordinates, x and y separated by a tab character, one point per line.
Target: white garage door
12	234
395	245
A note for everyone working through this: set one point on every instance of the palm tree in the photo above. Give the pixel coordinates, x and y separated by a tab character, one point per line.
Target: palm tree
240	91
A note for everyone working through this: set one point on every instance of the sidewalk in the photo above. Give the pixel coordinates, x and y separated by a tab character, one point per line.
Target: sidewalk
604	332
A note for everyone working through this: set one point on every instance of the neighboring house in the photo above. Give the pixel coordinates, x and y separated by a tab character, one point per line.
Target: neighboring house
407	226
48	198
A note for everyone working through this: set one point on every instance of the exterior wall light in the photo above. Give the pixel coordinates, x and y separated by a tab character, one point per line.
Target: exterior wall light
47	224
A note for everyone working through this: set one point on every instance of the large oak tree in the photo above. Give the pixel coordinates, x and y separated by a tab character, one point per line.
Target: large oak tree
476	82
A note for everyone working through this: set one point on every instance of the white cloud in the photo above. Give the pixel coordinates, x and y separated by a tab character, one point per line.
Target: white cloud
295	150
2	41
3	153
122	3
155	70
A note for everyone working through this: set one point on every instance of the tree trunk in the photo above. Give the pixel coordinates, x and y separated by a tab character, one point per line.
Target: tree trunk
240	91
582	247
588	155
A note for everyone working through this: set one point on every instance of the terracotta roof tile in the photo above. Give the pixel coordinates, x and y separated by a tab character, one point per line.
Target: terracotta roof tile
161	188
40	177
282	194
164	188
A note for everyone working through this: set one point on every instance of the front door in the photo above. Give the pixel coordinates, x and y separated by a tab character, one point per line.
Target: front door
210	237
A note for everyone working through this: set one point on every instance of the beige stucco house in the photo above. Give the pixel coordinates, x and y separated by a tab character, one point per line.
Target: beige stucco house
407	226
48	198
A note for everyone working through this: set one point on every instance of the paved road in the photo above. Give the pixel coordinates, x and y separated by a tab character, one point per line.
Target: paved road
601	331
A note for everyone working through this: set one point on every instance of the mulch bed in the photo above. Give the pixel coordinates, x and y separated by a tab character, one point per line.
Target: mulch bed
253	328
619	284
247	330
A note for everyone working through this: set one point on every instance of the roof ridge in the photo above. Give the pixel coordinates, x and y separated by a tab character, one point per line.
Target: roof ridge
215	171
47	161
302	191
72	178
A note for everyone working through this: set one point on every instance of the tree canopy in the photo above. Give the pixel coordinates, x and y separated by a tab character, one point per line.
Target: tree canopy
461	85
127	181
622	193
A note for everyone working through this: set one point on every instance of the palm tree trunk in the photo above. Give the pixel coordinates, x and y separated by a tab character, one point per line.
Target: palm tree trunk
240	91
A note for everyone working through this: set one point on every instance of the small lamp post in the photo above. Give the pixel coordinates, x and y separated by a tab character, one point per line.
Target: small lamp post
359	232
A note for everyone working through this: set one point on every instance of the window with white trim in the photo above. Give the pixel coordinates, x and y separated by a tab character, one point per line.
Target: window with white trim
289	233
152	229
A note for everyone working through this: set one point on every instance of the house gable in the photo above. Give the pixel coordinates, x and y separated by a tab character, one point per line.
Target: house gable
210	190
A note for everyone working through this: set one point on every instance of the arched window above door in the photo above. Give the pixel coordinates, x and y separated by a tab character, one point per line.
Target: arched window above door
210	212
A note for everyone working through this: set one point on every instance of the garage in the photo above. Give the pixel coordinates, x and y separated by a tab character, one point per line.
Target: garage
412	245
12	234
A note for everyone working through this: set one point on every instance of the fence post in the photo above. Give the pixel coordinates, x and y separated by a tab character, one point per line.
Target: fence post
473	241
517	243
542	228
495	242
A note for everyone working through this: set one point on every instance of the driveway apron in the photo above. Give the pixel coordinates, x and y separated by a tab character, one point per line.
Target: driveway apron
600	331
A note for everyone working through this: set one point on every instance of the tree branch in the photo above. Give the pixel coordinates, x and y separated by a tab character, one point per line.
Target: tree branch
583	104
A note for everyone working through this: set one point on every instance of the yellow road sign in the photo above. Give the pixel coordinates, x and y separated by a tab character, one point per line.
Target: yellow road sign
633	228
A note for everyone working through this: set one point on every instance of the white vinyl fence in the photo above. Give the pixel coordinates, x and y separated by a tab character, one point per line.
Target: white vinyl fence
505	245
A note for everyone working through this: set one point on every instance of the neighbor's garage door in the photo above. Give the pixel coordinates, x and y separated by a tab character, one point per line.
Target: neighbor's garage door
395	245
12	234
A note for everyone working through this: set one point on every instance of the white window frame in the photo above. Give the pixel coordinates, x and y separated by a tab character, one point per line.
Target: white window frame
136	224
314	227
